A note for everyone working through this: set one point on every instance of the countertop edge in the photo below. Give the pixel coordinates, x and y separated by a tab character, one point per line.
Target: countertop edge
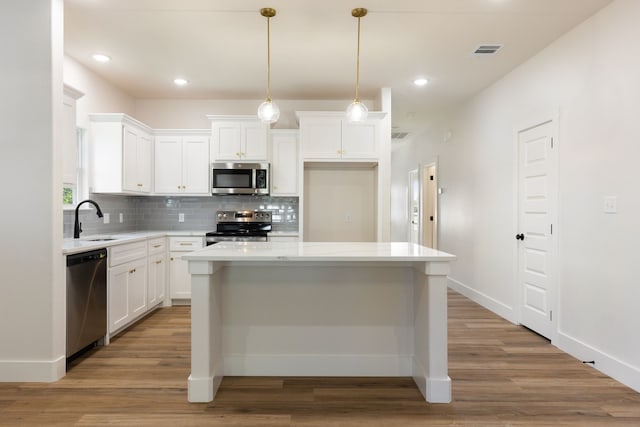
73	246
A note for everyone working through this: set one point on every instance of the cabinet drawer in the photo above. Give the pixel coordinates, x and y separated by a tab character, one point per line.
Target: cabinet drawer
157	246
185	244
125	253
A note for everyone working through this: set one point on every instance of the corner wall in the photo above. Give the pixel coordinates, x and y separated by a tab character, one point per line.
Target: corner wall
32	306
589	78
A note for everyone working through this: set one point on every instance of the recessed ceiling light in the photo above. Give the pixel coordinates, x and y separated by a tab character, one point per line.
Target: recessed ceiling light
420	81
180	81
101	58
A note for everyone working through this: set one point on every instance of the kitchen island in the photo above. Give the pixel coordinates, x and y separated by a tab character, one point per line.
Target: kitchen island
319	309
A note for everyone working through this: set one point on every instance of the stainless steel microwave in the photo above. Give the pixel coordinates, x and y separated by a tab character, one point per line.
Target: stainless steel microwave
240	178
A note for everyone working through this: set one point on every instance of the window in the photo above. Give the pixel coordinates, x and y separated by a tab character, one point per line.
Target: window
72	192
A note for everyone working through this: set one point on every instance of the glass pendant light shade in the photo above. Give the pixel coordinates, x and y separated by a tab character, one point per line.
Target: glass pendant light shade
268	111
357	112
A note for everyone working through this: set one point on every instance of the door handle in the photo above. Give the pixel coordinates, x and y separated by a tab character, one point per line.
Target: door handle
520	236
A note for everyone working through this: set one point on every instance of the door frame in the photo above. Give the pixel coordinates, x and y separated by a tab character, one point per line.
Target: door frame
554	207
410	174
422	177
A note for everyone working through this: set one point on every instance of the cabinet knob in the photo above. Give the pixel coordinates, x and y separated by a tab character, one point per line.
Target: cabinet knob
171	258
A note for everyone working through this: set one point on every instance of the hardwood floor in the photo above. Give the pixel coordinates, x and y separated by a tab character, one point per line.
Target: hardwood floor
503	375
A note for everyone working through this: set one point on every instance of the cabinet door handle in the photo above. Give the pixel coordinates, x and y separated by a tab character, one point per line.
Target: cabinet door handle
156	246
159	262
133	270
185	244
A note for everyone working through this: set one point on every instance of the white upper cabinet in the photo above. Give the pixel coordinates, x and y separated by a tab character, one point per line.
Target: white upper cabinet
284	163
329	136
238	138
121	149
70	140
181	164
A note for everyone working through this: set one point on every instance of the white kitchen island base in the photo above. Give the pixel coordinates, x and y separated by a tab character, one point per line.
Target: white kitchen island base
319	309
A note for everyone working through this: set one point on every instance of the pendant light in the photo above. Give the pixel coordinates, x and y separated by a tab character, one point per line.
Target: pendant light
268	111
357	111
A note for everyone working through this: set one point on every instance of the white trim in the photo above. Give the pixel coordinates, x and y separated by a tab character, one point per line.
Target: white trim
33	370
181	132
486	301
385	365
617	369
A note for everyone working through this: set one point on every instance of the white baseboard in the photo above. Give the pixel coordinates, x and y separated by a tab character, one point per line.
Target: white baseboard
487	302
357	365
605	363
33	370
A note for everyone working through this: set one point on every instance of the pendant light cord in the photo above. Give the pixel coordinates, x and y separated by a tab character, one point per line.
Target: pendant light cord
268	59
358	66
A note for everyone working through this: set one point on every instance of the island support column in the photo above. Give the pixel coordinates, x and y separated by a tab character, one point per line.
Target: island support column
430	358
206	331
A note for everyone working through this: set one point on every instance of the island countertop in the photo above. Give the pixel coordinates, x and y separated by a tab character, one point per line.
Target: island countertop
318	251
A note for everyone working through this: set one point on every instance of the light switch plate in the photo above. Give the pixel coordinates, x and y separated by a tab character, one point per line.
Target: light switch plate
106	218
610	204
180	217
121	218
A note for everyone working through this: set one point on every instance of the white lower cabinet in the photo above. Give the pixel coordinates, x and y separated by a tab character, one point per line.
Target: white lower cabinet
127	284
179	277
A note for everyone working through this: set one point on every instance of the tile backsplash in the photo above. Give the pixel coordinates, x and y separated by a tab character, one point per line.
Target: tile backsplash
161	213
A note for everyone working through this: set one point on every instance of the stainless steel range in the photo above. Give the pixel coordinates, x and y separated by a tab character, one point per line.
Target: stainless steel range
240	226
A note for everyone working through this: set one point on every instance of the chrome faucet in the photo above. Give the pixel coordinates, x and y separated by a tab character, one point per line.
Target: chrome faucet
77	225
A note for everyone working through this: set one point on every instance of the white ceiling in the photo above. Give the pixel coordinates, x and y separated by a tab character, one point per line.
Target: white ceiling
220	47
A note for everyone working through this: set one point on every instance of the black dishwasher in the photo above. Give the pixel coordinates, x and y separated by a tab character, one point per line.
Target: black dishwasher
86	299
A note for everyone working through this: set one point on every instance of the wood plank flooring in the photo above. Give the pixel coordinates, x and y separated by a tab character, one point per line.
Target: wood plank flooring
503	375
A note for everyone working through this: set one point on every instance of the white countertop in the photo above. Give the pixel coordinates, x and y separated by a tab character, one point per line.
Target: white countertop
86	243
317	251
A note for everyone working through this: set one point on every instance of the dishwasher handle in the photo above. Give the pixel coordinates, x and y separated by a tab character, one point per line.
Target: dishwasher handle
84	257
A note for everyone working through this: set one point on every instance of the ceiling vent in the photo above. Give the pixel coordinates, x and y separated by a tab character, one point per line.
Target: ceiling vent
487	49
399	135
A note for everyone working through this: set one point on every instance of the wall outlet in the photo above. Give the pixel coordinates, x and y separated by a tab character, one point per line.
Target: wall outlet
106	218
121	218
180	217
610	204
348	217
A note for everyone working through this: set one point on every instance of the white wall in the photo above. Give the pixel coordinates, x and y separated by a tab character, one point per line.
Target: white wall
590	77
100	96
32	306
340	204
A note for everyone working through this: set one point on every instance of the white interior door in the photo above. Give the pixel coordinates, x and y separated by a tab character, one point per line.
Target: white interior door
536	213
429	216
